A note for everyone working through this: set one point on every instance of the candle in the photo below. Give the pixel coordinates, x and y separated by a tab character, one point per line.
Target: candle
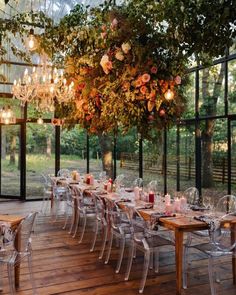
88	179
167	199
136	192
105	186
177	204
151	197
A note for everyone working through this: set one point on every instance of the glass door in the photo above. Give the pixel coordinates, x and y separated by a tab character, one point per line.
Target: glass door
233	157
10	161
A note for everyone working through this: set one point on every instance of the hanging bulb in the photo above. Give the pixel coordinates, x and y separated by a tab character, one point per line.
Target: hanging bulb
40	121
169	94
31	41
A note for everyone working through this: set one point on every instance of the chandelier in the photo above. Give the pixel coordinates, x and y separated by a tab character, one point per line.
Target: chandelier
7	116
44	87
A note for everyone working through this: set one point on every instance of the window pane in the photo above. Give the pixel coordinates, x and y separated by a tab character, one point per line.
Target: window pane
214	157
211	98
153	160
128	156
189	93
232	86
73	149
187	157
40	157
10	156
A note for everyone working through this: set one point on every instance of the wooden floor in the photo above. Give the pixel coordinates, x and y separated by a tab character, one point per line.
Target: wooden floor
62	266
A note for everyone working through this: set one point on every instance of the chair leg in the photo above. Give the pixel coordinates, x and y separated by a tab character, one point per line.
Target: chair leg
77	221
95	236
105	234
130	260
109	248
10	270
145	270
211	275
1	276
156	260
31	274
122	248
83	227
185	266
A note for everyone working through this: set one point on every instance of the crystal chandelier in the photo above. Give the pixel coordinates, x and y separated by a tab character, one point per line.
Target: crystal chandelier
44	87
7	116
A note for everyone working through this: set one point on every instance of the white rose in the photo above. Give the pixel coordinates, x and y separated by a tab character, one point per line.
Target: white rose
103	63
119	55
126	47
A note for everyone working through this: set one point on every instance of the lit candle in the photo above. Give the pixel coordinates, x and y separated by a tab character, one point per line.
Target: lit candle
88	179
169	208
109	187
91	179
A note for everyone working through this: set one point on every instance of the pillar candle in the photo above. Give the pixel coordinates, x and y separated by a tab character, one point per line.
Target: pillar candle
151	197
177	204
136	193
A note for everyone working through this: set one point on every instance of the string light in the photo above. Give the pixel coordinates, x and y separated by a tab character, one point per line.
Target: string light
7	116
169	94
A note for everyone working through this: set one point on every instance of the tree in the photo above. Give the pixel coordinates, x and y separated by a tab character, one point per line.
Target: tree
210	107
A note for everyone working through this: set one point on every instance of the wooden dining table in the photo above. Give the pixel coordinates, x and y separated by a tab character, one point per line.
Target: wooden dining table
182	224
14	221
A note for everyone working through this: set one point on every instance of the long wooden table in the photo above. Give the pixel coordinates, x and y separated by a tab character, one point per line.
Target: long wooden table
14	221
183	224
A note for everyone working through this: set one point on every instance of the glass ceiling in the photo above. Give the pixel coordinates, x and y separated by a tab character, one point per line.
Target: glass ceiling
55	8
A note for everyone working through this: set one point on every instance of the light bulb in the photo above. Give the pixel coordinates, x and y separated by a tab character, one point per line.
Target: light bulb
31	41
169	94
7	121
40	121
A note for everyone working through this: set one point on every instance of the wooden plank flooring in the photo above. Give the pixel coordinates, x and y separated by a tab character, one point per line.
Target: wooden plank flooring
62	266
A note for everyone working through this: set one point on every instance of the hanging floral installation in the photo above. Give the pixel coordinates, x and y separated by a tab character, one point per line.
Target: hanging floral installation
123	74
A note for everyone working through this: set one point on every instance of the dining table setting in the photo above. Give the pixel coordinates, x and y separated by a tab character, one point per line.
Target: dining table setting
174	214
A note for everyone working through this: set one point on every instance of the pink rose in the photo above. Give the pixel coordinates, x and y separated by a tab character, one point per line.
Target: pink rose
103	35
145	78
178	80
138	83
114	24
153	70
143	89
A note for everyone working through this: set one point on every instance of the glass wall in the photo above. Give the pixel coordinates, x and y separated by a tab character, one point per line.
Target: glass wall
40	157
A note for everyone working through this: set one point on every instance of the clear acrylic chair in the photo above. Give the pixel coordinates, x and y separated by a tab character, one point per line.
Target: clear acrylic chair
64	173
14	256
47	192
60	196
192	195
220	244
69	208
148	241
119	227
100	223
84	209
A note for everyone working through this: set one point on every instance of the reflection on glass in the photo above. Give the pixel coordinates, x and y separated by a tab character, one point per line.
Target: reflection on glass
232	86
189	93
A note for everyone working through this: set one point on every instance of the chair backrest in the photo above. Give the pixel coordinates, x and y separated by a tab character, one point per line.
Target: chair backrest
138	182
220	234
192	195
100	207
119	180
153	186
226	204
64	173
23	233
